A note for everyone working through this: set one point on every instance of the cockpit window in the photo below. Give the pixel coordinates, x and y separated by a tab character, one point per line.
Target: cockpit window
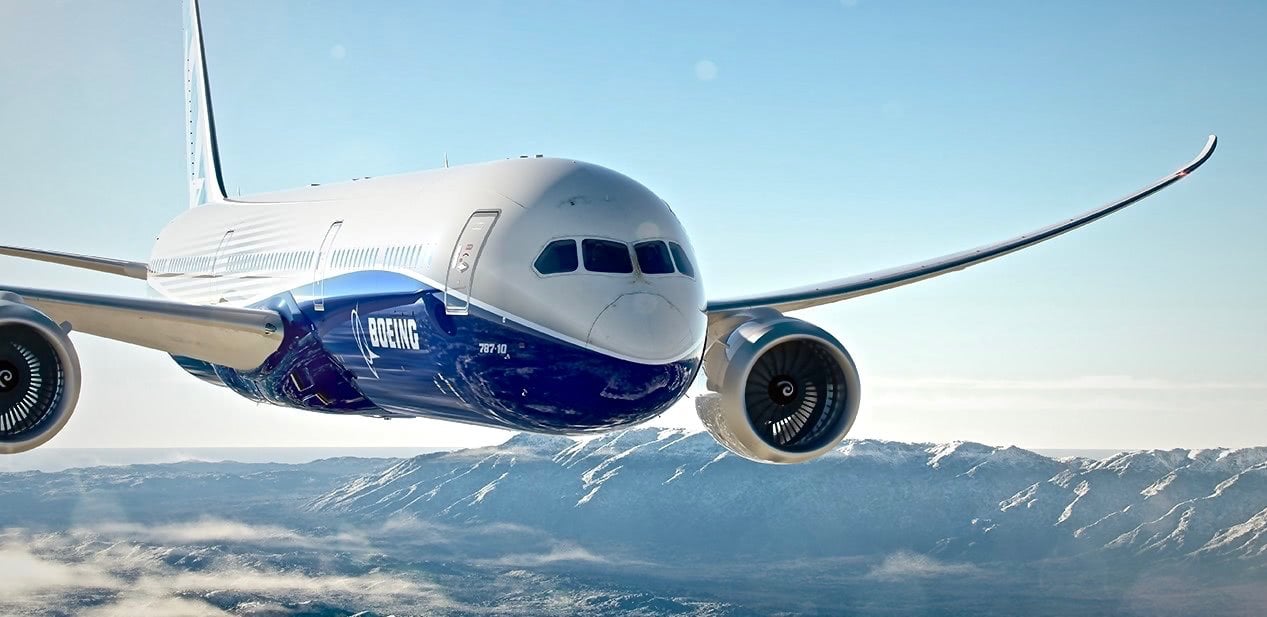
683	262
653	257
606	256
557	257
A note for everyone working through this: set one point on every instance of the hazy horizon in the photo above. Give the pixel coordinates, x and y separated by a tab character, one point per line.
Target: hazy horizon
60	458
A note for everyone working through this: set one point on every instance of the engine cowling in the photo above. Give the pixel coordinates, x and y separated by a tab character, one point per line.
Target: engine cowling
784	390
39	376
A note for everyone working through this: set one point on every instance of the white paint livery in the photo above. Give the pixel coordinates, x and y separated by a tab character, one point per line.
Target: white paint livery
239	252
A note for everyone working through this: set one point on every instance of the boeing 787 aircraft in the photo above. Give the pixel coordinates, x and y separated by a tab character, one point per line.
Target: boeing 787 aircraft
539	294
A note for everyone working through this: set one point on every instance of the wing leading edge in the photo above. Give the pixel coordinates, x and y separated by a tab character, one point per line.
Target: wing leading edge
861	285
235	337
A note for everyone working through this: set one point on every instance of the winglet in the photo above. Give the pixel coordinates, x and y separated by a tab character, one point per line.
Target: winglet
1206	152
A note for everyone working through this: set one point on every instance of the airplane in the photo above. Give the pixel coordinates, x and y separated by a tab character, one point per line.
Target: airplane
532	293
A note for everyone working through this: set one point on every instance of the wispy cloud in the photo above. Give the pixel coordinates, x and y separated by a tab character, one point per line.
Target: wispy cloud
214	531
1106	392
559	553
203	531
25	573
1084	383
906	565
208	566
48	571
133	604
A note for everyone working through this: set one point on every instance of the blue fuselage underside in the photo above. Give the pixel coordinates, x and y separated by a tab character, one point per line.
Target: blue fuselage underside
384	346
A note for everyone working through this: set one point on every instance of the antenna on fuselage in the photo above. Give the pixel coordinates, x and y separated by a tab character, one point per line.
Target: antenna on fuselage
446	160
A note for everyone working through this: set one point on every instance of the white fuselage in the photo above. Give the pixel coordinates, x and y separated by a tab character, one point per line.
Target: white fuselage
246	251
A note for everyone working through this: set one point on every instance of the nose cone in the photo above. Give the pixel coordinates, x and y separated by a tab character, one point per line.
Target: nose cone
644	327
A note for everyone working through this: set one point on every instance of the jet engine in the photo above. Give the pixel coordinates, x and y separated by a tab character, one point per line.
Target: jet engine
783	390
39	376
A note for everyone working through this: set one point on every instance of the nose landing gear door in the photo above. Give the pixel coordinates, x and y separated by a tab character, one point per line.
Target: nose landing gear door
466	254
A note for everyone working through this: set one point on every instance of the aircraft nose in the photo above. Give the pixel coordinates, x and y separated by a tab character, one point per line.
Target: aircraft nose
643	326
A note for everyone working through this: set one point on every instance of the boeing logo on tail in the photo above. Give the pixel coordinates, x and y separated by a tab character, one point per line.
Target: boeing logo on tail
566	299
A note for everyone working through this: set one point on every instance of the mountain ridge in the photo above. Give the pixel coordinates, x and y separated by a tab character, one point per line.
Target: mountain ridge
958	499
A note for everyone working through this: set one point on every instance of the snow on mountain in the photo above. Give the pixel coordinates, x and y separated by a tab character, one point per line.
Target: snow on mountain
1246	540
1208	524
959	498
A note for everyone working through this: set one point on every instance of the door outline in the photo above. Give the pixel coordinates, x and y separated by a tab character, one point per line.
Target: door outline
215	261
322	265
459	279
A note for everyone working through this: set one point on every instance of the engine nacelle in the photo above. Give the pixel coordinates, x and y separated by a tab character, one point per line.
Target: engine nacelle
784	390
39	376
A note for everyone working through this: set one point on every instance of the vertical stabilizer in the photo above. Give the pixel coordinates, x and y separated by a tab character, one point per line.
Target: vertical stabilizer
203	155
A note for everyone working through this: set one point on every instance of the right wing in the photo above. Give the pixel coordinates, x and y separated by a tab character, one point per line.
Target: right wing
130	269
863	284
238	338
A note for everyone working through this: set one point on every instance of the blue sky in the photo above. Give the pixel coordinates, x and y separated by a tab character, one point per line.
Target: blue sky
796	141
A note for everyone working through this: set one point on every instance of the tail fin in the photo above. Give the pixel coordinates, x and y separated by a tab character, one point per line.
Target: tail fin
203	155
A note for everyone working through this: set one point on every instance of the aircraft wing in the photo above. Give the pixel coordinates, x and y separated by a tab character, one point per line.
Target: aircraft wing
235	337
861	285
131	269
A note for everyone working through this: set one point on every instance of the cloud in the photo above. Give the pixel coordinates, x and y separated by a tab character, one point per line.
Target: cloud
1081	384
1096	392
214	531
132	605
559	553
48	572
25	573
273	582
199	532
904	565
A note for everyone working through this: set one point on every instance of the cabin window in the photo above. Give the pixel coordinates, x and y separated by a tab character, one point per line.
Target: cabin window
557	257
653	257
683	262
606	256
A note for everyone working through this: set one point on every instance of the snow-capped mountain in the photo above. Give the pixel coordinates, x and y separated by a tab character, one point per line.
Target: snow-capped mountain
649	522
964	500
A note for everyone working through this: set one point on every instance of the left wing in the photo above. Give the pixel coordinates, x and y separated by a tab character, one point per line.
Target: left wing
130	269
235	337
861	285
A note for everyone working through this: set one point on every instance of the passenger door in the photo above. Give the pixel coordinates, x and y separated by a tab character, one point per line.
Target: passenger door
218	262
466	255
321	269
